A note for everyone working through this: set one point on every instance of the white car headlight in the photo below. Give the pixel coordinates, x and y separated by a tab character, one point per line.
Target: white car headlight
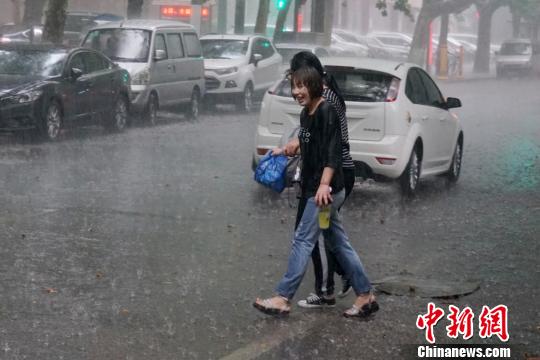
226	71
141	78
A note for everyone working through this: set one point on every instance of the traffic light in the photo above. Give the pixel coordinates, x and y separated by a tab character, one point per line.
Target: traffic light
281	4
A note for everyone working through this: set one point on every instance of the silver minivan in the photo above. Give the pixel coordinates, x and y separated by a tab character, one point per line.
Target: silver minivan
164	60
518	56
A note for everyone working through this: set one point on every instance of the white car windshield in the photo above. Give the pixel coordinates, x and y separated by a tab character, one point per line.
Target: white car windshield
223	49
130	45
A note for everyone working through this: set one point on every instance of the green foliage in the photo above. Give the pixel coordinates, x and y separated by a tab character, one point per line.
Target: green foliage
401	5
528	9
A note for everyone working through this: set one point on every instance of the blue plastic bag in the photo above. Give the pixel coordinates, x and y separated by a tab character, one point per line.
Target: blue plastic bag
271	171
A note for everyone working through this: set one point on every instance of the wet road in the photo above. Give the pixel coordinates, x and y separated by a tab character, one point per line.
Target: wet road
152	244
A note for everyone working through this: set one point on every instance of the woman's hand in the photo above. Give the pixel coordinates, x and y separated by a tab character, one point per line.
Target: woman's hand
277	151
323	197
291	148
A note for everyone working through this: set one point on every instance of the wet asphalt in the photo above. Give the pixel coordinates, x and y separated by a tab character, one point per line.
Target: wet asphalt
153	243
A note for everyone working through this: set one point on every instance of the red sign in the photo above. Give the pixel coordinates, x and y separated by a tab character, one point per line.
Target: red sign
175	11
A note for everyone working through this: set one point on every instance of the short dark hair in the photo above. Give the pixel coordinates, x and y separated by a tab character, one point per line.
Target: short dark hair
306	58
310	78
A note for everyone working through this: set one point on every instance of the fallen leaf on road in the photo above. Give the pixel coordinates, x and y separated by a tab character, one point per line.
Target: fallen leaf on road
50	291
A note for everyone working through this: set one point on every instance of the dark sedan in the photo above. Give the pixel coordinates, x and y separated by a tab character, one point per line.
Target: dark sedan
47	88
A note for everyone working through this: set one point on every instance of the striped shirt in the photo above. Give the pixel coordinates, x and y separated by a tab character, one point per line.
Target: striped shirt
333	100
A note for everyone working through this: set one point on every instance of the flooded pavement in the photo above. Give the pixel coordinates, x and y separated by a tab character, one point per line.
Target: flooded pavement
153	243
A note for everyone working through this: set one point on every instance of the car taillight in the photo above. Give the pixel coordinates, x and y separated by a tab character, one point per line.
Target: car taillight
392	94
386	160
262	151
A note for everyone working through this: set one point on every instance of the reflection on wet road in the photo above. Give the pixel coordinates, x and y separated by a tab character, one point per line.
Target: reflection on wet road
153	243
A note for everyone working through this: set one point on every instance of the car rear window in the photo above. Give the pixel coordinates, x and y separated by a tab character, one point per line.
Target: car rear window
361	85
516	49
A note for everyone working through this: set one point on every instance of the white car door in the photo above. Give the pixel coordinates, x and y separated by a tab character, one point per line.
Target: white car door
422	115
444	124
266	70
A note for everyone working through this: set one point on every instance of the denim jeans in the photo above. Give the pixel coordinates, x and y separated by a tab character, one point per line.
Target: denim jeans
304	241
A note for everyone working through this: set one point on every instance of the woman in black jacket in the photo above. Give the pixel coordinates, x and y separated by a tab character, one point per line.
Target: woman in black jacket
322	185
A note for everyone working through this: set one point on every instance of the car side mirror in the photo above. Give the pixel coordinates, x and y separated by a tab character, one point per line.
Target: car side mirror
160	55
452	103
76	73
256	58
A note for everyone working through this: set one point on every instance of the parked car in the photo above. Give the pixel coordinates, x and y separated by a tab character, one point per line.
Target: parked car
400	126
48	88
351	44
472	39
381	51
288	50
517	56
393	40
163	57
376	49
21	35
76	26
239	68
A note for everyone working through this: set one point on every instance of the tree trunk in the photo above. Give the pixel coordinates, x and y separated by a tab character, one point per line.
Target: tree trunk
516	24
239	16
16	14
134	9
442	64
262	16
417	54
55	21
33	12
317	15
483	46
222	16
322	19
430	10
328	25
280	22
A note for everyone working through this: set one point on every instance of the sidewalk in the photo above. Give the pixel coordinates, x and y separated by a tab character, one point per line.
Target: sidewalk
469	74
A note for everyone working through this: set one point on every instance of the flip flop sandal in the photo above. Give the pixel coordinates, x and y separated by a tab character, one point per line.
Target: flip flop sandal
365	311
268	308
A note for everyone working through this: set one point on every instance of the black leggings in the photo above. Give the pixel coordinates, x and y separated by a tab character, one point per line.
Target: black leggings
324	261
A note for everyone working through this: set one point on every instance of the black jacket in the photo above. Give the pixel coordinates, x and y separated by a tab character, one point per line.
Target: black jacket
320	146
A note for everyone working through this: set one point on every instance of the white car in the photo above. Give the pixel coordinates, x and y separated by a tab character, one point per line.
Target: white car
518	56
394	40
288	50
238	68
357	49
400	126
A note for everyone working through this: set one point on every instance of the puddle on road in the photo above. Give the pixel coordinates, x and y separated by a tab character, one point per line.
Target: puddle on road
426	288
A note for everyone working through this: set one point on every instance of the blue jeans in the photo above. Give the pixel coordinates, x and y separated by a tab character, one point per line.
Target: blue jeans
304	241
